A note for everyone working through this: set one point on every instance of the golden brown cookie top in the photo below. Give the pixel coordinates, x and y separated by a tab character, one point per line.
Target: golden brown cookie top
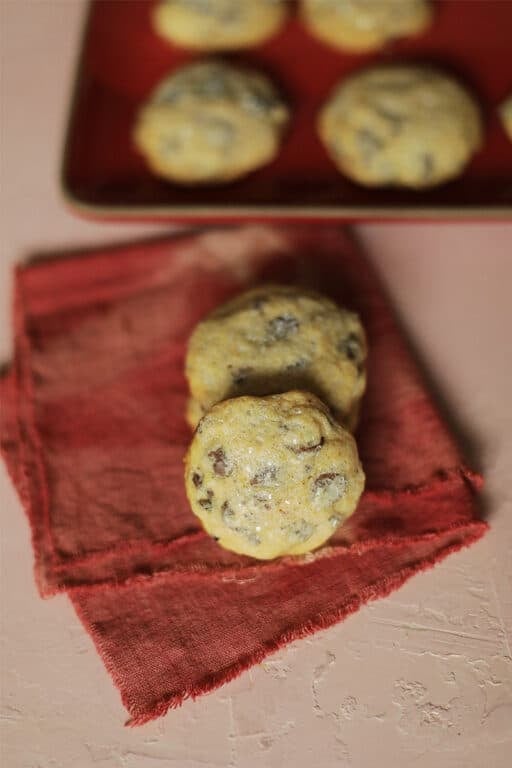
210	122
365	25
400	125
274	338
272	476
216	25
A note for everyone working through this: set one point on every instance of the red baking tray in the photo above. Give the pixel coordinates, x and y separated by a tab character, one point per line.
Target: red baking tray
122	59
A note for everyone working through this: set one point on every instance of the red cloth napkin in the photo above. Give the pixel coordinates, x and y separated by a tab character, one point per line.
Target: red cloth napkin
93	433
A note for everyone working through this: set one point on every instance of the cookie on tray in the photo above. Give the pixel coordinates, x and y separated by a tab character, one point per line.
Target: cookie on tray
219	25
365	25
272	476
210	123
400	126
275	338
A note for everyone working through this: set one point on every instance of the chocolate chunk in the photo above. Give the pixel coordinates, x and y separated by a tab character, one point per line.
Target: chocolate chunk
332	484
351	347
307	448
260	101
197	479
265	476
281	327
220	466
323	480
228	516
226	510
241	375
206	503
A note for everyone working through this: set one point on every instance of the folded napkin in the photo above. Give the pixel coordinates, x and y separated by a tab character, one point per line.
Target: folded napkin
93	433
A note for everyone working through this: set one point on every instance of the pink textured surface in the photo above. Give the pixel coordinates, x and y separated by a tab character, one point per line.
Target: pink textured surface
423	676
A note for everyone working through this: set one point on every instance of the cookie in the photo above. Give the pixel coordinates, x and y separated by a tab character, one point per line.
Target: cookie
274	338
219	25
506	116
210	123
401	126
365	25
272	476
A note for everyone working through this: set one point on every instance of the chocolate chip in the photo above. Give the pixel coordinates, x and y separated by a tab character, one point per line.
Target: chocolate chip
216	538
220	466
226	509
323	480
241	375
260	101
197	479
227	513
281	327
265	476
351	347
307	448
206	503
332	484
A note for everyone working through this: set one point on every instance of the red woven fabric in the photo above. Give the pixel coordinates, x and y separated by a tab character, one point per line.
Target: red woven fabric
93	433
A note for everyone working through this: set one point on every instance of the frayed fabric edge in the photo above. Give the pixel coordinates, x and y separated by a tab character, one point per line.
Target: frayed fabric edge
381	588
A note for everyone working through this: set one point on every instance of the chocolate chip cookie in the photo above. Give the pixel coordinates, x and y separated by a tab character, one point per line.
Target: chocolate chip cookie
275	338
401	126
272	476
210	123
219	25
365	25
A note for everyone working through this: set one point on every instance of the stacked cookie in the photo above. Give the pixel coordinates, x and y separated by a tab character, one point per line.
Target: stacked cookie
276	379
